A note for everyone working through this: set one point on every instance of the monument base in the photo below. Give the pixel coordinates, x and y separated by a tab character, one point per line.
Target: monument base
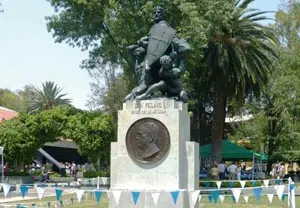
177	170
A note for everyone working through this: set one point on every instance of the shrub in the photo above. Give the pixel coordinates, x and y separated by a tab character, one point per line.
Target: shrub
16	174
37	173
94	174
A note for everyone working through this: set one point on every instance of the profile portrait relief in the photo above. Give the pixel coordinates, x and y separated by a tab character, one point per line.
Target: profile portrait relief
147	140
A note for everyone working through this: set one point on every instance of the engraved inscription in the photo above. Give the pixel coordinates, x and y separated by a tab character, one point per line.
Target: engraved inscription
148	108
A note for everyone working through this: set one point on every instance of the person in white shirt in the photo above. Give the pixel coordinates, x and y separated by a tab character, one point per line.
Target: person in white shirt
238	172
222	168
232	171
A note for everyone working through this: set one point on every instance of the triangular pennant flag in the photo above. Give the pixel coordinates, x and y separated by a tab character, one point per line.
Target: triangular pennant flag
270	197
279	191
104	180
277	181
116	195
6	188
207	184
40	191
135	196
242	183
17	188
236	193
257	192
283	197
222	197
219	183
215	195
58	193
292	186
194	196
98	195
210	197
24	191
155	197
174	195
266	183
79	194
246	198
230	183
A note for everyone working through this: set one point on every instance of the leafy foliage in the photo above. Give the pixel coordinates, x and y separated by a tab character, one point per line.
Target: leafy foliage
239	59
232	53
22	136
109	88
18	101
47	97
276	124
93	133
95	174
286	156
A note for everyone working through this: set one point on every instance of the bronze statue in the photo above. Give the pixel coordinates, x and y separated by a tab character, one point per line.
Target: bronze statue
160	67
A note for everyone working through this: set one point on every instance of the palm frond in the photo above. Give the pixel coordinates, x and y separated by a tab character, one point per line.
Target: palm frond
48	97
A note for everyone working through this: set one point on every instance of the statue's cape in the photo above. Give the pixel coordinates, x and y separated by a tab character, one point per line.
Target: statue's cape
160	38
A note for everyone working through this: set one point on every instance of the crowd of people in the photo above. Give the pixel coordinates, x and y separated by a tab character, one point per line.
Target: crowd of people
220	171
71	169
277	170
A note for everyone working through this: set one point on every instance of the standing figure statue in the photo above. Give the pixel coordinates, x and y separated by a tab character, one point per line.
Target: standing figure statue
159	61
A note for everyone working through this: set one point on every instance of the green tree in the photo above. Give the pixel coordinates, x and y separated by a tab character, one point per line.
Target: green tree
93	133
11	100
223	30
109	88
239	58
19	144
277	112
46	98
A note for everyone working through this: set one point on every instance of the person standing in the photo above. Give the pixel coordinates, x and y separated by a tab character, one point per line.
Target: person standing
214	171
232	171
74	171
6	167
238	172
222	168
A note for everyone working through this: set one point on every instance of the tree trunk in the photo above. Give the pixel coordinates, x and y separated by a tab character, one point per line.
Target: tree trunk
218	125
98	163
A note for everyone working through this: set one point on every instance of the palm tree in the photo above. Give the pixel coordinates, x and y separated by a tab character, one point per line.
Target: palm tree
47	97
239	59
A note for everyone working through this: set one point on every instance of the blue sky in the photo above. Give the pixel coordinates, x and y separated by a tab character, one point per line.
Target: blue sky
28	54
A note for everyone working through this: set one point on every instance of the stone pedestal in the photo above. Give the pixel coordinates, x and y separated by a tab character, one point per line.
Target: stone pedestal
177	170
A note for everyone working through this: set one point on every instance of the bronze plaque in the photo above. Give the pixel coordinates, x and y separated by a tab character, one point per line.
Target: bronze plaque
147	140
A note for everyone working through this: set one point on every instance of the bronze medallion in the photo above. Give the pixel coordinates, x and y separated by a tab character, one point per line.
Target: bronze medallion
147	140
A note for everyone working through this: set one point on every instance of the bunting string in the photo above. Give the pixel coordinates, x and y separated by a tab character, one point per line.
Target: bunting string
285	192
